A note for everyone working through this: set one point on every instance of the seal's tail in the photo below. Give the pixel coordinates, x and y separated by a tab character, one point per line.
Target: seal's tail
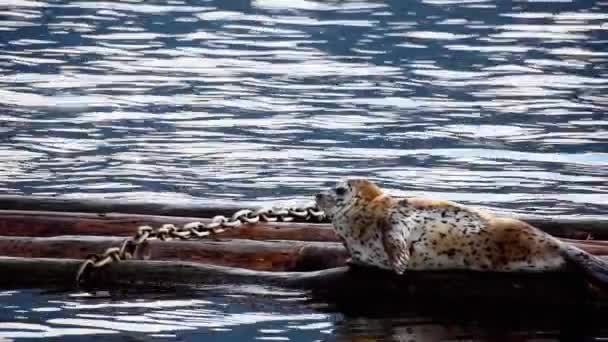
594	268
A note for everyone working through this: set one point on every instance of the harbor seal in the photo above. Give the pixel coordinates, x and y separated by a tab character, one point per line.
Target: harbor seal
424	234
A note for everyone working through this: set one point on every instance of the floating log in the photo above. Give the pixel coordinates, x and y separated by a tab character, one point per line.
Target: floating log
355	288
97	206
48	223
250	254
44	224
570	227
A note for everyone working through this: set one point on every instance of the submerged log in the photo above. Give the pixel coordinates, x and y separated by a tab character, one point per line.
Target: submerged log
357	288
250	254
44	224
564	227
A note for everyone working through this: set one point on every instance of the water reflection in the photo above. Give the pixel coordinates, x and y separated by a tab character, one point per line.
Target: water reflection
257	313
252	312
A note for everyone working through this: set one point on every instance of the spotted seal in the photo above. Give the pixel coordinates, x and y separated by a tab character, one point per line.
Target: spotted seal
424	234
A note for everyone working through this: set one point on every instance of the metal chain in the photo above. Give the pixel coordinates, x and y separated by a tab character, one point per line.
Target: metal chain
194	230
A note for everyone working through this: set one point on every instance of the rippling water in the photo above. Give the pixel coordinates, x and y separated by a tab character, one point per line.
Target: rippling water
478	101
250	313
230	315
500	104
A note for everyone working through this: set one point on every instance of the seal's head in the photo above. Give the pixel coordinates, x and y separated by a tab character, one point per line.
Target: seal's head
345	194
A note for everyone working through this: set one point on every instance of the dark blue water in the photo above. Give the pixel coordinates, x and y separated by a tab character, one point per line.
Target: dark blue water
493	103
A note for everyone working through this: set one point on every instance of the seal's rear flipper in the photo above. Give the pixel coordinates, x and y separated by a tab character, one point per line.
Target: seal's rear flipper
593	267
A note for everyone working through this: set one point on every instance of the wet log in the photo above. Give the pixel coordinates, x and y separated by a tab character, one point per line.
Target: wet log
570	227
250	254
98	206
354	288
45	224
48	223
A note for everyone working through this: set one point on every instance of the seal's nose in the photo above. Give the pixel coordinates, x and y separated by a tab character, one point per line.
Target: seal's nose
318	196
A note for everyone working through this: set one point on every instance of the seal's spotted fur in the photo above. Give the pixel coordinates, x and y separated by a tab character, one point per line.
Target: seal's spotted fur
417	233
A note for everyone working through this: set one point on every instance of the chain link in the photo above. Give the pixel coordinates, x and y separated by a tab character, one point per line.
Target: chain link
131	247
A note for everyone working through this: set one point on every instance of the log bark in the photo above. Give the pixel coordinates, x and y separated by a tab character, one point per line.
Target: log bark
49	223
352	289
564	227
250	254
97	206
569	227
45	224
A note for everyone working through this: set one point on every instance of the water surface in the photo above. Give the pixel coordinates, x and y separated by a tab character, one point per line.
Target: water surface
492	103
478	101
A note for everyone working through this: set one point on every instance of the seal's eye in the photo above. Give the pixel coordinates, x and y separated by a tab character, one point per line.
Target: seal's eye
340	191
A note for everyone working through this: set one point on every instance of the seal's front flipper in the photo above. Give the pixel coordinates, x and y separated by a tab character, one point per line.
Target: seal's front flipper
396	246
594	268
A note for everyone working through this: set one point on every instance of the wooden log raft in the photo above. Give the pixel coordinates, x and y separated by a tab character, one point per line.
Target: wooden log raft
46	224
28	233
